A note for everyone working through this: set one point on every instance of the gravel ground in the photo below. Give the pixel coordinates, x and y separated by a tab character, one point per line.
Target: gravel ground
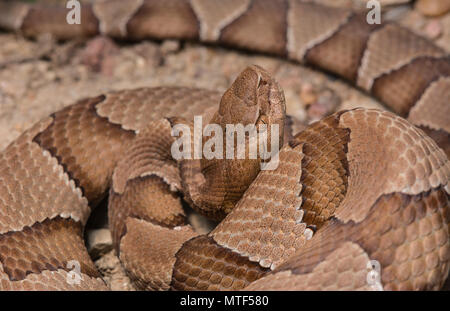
41	76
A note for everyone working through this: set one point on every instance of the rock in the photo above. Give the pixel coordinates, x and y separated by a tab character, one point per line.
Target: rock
433	29
170	46
99	242
433	7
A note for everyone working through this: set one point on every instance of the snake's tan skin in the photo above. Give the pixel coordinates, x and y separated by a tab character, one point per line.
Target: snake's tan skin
356	187
433	7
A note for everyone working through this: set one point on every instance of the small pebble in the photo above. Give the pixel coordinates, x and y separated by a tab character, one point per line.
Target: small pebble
99	242
433	7
326	103
98	55
170	46
433	29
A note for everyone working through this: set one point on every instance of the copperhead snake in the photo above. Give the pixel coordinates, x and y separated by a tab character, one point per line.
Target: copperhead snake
357	186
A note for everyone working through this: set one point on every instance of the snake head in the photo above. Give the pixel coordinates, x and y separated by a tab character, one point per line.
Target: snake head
254	98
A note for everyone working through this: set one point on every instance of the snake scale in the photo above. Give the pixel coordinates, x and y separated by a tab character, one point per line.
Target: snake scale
356	187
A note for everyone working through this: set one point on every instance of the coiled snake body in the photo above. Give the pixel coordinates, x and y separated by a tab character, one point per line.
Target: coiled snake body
356	188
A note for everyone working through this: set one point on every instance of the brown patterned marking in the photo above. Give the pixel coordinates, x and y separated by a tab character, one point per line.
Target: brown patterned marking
80	139
164	19
261	28
149	261
344	269
145	182
114	15
311	24
213	15
147	198
407	234
341	54
432	109
324	169
134	109
402	88
49	245
399	157
204	265
52	20
266	225
16	12
34	186
390	48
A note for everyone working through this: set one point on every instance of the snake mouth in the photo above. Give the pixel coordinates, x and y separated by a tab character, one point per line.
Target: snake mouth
270	100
